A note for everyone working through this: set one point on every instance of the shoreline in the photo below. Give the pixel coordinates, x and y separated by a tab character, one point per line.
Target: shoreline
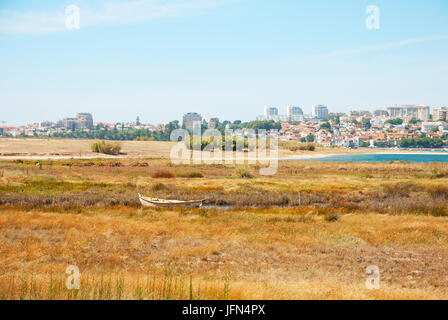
298	157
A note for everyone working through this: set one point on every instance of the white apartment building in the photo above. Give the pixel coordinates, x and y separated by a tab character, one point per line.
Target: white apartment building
319	111
270	112
294	113
409	111
428	126
440	114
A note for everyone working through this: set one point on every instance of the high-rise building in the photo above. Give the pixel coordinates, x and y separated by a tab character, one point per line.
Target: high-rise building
189	119
362	113
46	124
85	120
409	111
213	123
80	122
294	113
69	123
380	113
319	111
270	112
423	113
440	114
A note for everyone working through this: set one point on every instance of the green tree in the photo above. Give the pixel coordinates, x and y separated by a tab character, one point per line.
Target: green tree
364	144
310	138
396	121
325	126
366	123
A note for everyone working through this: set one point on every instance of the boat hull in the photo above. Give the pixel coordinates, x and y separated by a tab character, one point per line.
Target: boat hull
154	202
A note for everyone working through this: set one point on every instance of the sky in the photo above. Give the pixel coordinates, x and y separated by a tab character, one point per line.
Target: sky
158	59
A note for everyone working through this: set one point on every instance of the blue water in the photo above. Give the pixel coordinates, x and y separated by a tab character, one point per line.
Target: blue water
425	157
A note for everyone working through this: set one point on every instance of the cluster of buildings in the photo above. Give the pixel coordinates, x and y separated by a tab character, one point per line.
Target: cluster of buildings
190	118
294	113
382	127
364	128
82	122
357	128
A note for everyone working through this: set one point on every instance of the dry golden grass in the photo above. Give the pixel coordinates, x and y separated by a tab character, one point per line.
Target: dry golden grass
57	148
269	245
393	188
228	254
79	148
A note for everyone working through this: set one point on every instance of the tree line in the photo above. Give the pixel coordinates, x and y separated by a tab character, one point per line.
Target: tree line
160	135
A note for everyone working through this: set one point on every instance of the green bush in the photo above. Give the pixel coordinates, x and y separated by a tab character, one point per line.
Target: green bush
307	146
311	147
244	173
233	142
293	148
112	148
159	187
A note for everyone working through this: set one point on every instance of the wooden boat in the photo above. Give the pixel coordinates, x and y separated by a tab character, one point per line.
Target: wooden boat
154	202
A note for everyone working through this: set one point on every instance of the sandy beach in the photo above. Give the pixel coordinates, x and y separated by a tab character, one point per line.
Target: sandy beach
58	149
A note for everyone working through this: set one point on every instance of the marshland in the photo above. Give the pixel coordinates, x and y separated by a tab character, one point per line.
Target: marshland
307	232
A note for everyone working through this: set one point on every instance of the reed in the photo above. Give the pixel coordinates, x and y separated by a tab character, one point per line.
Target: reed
110	286
279	236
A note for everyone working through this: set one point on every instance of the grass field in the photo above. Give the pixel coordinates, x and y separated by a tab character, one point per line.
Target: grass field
308	232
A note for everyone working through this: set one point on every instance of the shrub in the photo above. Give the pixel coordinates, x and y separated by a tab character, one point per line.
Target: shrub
438	191
190	174
294	146
159	187
233	142
141	138
244	173
438	174
112	148
402	189
307	146
331	217
311	147
162	174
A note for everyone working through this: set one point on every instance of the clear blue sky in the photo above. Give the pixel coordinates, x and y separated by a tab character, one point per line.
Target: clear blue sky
224	58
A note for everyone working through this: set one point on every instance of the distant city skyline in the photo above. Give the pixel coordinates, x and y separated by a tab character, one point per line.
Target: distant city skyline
220	58
291	113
